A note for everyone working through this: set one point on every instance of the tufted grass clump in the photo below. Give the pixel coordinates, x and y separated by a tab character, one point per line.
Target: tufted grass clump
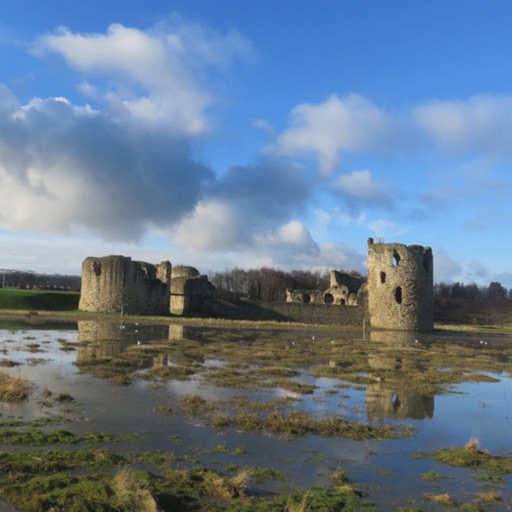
471	456
14	389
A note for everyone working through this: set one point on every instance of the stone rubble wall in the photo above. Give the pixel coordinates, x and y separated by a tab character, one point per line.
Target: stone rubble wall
400	286
116	284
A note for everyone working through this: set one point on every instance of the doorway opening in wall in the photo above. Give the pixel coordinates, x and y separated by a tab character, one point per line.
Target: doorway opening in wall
396	259
398	294
306	298
328	298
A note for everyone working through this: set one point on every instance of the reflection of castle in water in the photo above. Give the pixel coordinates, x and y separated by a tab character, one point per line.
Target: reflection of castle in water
396	402
106	340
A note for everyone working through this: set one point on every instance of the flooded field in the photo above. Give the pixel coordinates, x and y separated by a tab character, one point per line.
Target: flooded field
211	418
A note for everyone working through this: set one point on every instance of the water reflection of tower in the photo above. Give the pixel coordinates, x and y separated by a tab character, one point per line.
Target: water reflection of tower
395	400
109	340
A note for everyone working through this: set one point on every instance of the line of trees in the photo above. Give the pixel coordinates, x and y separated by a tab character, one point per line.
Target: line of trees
269	284
266	284
494	291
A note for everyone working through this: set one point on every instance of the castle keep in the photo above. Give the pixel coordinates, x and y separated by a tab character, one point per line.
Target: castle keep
116	284
400	286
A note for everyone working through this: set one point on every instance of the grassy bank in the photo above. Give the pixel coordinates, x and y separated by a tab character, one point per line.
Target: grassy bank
38	300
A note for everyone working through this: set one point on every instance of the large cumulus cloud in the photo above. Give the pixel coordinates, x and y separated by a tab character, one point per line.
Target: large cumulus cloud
63	167
245	205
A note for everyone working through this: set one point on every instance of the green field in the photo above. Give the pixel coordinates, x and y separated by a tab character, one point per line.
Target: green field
38	300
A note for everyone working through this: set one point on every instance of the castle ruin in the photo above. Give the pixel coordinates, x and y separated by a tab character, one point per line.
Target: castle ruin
116	284
400	286
343	290
398	294
191	292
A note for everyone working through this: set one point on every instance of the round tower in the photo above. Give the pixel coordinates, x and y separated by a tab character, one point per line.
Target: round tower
400	286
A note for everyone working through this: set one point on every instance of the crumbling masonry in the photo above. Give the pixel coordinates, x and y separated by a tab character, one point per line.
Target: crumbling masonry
400	286
116	284
398	294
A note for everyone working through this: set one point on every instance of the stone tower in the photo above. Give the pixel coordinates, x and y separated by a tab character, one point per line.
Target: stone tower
116	284
400	286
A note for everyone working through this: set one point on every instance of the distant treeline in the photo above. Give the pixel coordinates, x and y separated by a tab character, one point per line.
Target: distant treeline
270	284
472	291
31	280
267	284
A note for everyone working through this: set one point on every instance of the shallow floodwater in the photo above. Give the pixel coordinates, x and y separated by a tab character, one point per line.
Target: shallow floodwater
67	358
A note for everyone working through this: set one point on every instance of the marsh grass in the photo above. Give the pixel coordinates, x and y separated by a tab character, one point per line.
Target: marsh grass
442	499
7	363
14	389
339	477
219	486
132	491
35	437
488	497
432	476
165	373
162	409
471	456
277	418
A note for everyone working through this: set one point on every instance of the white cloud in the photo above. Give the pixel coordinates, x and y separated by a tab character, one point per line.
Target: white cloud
359	186
156	76
478	124
337	256
337	125
383	228
244	205
446	269
214	225
293	236
64	167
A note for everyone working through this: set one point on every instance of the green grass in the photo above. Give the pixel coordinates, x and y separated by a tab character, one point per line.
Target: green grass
38	300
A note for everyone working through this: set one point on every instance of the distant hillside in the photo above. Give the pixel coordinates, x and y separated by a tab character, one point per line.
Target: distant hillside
30	280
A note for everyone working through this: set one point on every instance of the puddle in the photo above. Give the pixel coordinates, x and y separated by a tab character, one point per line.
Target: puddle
133	381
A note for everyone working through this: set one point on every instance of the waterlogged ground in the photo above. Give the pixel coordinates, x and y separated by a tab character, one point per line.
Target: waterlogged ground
380	423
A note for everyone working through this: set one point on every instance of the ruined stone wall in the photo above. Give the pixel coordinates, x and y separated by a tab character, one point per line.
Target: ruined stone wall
190	292
353	283
116	284
400	286
291	312
343	291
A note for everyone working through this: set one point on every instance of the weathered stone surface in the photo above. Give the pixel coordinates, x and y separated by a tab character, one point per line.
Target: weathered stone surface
343	291
116	284
191	293
400	286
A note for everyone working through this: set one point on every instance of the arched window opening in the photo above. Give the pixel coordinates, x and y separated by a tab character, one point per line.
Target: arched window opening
396	259
328	298
306	298
398	295
383	277
343	302
97	268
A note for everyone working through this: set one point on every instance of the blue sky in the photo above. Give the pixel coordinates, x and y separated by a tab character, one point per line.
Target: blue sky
278	133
